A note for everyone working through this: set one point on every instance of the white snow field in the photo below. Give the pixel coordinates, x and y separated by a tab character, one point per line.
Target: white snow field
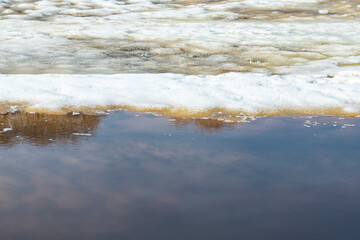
255	57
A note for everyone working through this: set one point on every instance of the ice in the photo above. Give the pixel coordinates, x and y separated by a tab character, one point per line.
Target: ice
323	11
6	130
192	37
250	56
248	92
82	134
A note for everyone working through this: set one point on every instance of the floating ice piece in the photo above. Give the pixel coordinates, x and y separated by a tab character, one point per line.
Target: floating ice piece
6	130
323	11
82	134
348	125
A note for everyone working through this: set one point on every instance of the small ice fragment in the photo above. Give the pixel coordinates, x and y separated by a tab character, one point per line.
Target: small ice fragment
315	123
13	109
172	120
306	125
75	113
155	114
82	134
323	11
104	113
6	130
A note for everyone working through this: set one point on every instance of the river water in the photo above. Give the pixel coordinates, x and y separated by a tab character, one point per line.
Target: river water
137	176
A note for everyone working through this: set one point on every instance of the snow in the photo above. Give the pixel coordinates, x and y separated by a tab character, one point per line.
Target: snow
253	56
6	130
247	92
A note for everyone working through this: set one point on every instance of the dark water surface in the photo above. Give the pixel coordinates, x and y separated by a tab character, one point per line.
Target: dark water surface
145	177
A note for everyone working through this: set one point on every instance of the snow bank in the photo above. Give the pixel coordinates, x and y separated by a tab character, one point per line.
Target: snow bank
247	92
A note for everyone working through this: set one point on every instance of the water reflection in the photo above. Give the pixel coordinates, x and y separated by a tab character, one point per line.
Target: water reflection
271	179
204	125
43	129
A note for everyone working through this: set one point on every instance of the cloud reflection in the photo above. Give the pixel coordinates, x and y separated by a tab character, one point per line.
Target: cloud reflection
126	184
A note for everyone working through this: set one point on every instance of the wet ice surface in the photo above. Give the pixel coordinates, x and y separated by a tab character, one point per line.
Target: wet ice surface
191	37
145	177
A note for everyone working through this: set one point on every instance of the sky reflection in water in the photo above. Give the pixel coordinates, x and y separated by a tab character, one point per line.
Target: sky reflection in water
147	178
